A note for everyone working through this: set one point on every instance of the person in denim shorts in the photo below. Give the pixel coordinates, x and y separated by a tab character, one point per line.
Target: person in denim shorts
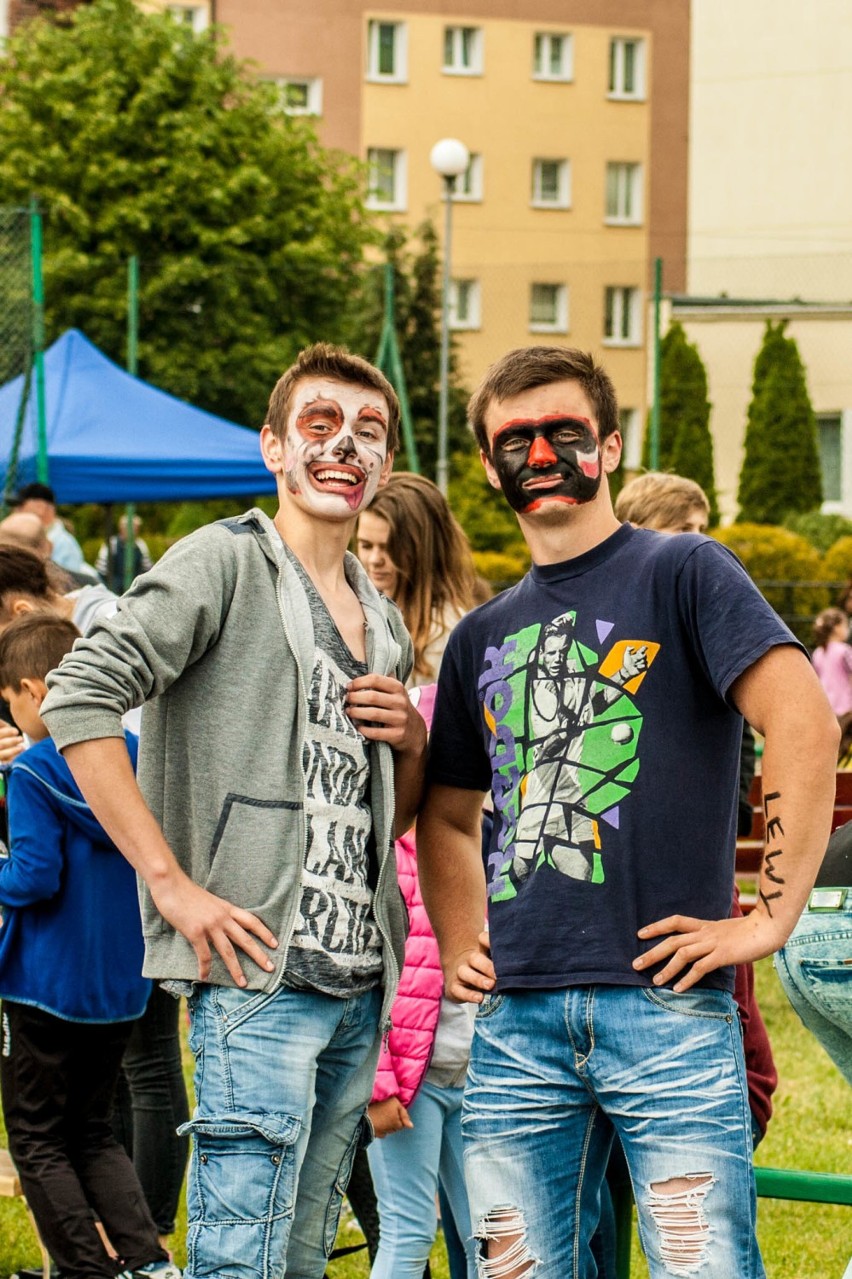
600	701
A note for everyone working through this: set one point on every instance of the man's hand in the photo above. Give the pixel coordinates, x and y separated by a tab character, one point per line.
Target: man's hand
707	944
206	920
11	743
470	975
388	1116
381	709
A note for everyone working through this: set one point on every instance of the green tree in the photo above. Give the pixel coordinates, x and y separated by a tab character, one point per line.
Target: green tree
416	263
139	137
686	445
781	473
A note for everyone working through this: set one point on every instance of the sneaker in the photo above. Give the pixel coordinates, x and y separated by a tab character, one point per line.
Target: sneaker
154	1270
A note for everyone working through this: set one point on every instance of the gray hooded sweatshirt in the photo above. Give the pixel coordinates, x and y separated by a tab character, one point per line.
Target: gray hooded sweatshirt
216	642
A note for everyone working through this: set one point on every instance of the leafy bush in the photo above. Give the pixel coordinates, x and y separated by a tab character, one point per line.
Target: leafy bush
502	569
837	563
822	531
775	555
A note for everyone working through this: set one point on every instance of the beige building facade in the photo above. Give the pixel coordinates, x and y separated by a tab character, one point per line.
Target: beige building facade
770	221
575	117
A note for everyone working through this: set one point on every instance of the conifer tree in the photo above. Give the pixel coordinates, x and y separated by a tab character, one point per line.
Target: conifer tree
781	472
686	445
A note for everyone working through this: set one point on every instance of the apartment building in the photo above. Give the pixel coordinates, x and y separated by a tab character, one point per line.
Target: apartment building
575	117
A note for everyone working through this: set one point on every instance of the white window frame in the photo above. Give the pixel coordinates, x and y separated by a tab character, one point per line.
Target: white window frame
196	16
398	201
469	292
456	64
313	97
542	66
843	506
469	187
626	304
559	324
562	199
617	71
626	177
399	74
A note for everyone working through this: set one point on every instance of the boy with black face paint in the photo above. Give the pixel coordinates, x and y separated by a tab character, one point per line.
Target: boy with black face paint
279	748
600	702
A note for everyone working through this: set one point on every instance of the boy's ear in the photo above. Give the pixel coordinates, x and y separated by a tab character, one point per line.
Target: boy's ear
21	605
36	688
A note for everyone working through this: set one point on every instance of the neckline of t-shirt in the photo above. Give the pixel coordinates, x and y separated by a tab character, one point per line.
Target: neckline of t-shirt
582	563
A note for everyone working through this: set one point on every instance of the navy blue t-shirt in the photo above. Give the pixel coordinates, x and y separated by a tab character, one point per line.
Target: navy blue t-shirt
592	699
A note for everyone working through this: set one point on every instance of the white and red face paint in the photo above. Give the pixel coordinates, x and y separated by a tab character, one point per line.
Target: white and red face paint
335	446
555	458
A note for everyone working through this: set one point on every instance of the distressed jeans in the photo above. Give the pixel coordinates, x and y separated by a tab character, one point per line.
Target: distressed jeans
815	969
552	1072
281	1080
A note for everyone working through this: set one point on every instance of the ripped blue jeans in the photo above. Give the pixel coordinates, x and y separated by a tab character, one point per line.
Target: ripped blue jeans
281	1081
550	1070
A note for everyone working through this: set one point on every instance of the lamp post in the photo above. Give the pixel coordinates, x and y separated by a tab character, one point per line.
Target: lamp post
450	159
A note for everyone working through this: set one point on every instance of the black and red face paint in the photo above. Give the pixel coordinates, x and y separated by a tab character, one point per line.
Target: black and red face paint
556	458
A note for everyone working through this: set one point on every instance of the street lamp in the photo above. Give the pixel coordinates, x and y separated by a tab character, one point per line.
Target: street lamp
450	159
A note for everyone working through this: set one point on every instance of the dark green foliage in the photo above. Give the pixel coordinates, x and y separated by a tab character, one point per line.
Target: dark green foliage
139	137
822	531
417	308
781	473
686	445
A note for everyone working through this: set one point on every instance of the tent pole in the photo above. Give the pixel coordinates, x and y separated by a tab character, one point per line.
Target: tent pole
132	366
42	468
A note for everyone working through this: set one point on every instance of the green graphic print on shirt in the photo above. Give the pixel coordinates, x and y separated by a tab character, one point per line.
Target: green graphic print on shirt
564	731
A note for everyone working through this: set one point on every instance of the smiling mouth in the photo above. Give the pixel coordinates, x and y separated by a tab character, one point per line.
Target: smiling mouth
337	477
544	482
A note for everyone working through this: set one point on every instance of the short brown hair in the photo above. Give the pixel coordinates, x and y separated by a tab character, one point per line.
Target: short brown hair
826	622
22	572
32	646
531	366
660	500
324	360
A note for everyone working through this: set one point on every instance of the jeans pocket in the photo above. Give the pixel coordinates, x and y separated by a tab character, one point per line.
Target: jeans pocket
341	1181
241	1189
716	1005
491	1003
828	984
235	1005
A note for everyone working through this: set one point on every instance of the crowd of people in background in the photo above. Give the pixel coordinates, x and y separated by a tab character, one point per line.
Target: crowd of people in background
541	992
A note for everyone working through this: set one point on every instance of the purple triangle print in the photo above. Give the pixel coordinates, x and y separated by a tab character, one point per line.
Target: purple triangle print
611	817
604	629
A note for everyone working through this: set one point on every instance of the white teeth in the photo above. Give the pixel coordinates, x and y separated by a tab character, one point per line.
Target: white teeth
336	475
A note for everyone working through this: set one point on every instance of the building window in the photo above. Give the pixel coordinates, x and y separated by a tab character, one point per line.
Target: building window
387	51
624	194
465	306
386	184
193	15
551	184
622	323
469	185
628	425
553	56
300	96
627	68
463	50
548	308
830	438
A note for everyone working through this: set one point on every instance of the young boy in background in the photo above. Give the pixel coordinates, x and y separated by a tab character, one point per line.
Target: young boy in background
70	964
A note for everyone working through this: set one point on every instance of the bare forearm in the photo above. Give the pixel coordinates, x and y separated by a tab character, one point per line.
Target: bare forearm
409	770
452	881
104	773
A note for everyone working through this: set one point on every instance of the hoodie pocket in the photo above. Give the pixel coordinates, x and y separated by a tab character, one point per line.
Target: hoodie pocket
255	850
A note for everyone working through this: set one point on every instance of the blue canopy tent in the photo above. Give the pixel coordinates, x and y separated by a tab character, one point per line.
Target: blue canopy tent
114	438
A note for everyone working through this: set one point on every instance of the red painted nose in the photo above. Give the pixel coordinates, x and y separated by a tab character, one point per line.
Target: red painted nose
541	454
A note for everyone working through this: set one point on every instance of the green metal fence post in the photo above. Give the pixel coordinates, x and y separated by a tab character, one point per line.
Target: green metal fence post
42	466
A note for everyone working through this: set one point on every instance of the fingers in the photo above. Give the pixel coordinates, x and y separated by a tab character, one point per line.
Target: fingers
382	711
470	978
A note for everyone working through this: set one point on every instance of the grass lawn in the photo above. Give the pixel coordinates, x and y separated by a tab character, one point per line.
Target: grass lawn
811	1129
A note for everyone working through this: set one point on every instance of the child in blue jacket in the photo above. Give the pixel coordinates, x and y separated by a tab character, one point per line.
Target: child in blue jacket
71	984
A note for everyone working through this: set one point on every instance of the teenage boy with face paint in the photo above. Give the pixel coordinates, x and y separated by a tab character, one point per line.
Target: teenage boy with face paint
278	744
600	702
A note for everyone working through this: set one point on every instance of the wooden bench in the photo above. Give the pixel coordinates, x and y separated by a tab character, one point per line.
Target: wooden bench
10	1187
750	849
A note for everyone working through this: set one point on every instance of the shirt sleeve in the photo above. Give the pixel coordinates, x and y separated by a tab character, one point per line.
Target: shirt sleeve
731	624
457	753
33	870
